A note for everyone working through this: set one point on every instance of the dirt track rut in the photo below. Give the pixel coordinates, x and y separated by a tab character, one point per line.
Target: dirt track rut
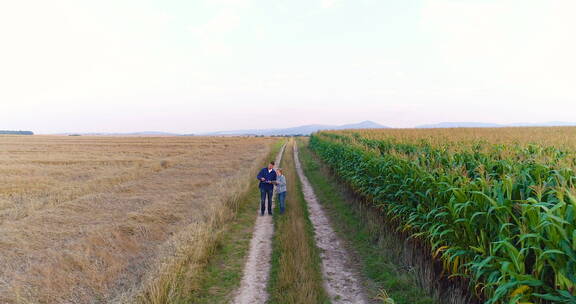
341	282
253	287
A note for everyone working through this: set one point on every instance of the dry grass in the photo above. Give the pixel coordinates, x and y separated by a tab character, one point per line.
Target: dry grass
98	220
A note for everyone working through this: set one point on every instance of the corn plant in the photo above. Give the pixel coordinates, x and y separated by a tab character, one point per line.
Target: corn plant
500	216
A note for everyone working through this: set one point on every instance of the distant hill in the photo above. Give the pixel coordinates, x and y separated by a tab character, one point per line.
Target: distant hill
8	132
493	125
544	124
459	125
144	133
301	130
309	129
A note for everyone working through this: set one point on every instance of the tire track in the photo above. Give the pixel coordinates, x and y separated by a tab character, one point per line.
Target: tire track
253	287
340	280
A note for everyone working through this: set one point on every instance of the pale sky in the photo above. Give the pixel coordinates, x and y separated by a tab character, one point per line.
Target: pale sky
207	65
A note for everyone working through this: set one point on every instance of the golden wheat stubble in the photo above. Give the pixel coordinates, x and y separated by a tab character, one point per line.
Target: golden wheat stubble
85	218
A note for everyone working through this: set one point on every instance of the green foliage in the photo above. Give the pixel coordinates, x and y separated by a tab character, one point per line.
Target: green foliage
378	251
500	216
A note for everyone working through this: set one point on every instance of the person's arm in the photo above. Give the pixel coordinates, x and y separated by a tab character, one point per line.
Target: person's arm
260	175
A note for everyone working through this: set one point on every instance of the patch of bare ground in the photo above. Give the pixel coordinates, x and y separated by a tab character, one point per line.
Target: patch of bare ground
99	220
341	276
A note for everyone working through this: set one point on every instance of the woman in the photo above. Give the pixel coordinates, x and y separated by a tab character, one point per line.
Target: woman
281	189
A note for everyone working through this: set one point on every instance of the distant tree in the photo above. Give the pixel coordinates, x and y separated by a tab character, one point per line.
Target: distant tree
16	132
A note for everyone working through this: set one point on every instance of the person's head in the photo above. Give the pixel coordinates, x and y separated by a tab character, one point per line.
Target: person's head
279	172
271	165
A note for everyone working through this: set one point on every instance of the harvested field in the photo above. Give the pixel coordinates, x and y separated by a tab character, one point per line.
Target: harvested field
87	219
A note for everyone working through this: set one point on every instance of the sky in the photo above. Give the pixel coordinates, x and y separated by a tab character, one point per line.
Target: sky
193	66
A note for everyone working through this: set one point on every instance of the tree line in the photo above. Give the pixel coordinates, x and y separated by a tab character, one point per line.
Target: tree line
16	132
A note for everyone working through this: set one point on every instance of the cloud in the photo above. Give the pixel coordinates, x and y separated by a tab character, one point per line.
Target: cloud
325	4
230	3
163	17
213	34
223	22
508	40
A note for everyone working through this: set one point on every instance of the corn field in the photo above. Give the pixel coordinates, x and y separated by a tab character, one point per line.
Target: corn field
497	212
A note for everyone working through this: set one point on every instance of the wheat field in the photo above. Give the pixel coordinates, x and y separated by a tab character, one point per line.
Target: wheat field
109	219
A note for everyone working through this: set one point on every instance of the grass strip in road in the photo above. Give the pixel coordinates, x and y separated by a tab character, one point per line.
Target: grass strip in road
223	271
353	223
296	275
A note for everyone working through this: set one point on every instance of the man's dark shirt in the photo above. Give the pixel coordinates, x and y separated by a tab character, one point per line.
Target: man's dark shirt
268	176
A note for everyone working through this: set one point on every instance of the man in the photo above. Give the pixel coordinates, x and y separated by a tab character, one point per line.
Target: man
267	177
